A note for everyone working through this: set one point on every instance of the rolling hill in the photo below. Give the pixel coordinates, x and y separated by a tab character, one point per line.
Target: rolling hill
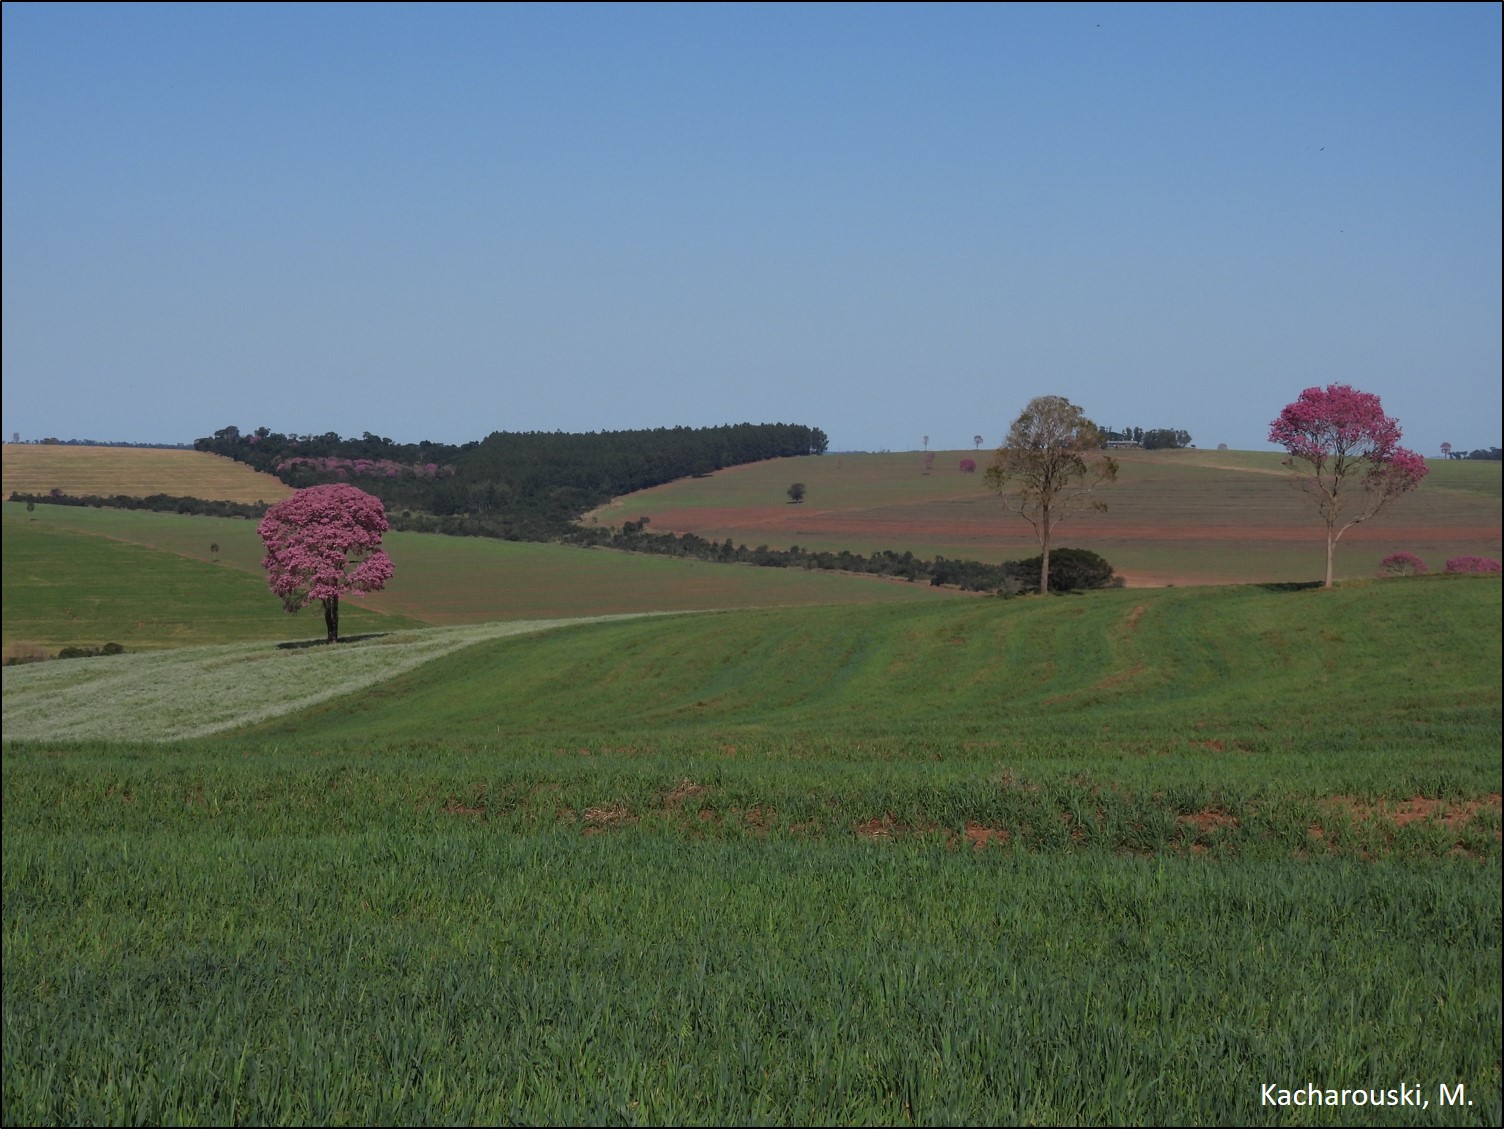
1099	859
83	576
98	470
1174	516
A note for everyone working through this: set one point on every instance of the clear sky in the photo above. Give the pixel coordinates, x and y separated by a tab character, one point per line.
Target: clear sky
888	221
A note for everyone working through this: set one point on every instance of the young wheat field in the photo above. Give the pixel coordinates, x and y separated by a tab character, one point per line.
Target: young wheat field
1137	857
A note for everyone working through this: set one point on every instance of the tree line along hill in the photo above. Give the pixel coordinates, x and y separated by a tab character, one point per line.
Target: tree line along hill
520	486
535	486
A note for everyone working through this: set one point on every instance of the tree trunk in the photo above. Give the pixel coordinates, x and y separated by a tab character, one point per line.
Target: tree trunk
1331	548
331	618
1044	553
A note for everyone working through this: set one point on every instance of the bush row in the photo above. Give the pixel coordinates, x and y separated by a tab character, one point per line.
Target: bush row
1071	569
23	653
1403	563
159	502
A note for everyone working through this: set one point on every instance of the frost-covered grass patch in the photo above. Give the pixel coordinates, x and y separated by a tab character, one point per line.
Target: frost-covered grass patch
182	694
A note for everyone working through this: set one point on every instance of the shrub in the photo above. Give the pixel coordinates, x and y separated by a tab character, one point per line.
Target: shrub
1472	565
1402	563
1071	569
109	649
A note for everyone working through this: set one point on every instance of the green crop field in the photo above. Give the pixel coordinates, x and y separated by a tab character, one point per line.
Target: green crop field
1246	668
95	470
1182	516
1123	858
67	583
65	588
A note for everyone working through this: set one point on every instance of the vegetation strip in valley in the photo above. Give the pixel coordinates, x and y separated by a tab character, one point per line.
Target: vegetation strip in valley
970	575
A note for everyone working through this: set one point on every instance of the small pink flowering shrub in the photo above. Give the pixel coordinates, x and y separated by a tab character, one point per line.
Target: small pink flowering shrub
1472	565
1402	563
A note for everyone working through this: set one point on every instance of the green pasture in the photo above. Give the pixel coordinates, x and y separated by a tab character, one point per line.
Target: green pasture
453	581
1179	516
1161	672
440	580
1248	669
65	588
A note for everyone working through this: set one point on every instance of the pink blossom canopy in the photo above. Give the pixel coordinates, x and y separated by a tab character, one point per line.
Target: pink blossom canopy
1340	427
322	542
1336	421
1352	448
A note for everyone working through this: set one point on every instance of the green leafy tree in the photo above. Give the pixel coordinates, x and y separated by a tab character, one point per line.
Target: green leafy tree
1166	439
796	493
1071	569
1048	467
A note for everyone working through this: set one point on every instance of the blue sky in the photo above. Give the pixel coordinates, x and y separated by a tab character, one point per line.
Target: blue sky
888	221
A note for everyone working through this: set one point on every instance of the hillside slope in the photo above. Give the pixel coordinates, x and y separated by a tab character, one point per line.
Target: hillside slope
1234	666
96	470
1174	516
74	575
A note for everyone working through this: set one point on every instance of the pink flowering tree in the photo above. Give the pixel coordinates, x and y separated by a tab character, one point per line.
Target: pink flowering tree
322	542
1346	455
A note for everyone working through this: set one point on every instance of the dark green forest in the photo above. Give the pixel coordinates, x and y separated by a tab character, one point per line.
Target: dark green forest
529	486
